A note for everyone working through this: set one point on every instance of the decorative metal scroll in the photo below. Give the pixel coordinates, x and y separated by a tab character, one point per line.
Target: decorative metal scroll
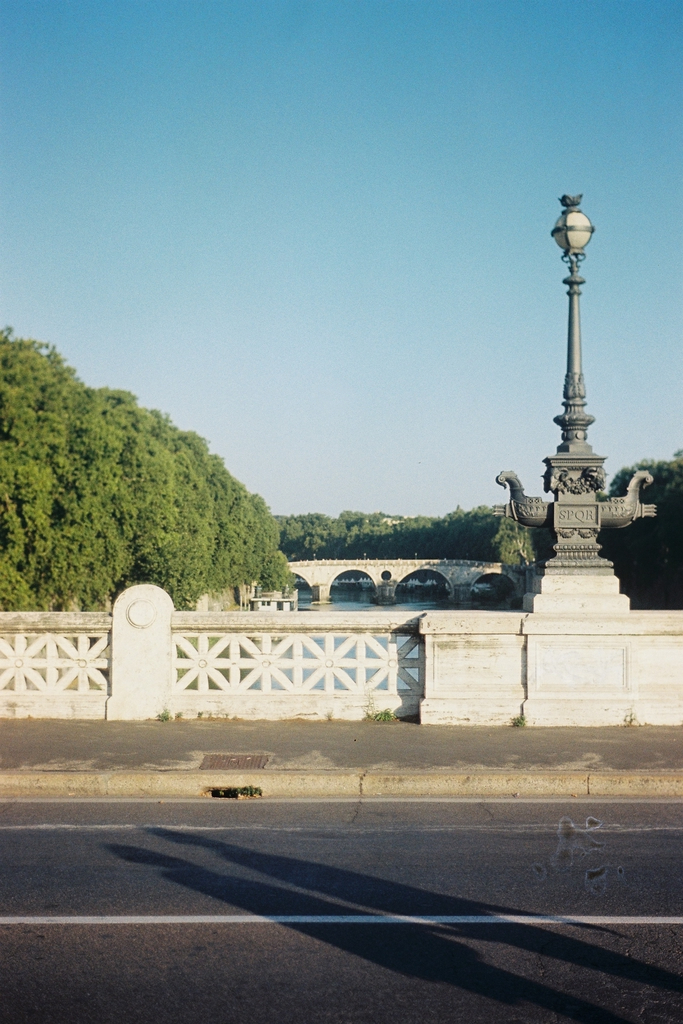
53	663
298	662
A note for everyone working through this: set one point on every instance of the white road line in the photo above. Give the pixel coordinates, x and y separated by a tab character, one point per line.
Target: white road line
385	919
156	827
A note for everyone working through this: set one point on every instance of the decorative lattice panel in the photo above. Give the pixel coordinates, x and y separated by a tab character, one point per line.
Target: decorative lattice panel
297	662
50	662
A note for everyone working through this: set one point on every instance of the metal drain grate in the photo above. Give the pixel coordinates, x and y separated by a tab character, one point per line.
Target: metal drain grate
233	762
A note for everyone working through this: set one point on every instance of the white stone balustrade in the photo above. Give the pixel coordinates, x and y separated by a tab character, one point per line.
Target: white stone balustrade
54	665
296	664
560	664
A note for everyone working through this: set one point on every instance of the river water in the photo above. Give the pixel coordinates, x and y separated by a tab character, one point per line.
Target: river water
360	601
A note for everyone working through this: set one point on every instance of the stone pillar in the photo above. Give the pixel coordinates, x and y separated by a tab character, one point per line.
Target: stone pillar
321	593
474	667
141	654
578	651
462	595
386	592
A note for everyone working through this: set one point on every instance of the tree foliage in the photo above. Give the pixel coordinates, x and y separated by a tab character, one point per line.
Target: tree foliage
477	535
648	556
97	493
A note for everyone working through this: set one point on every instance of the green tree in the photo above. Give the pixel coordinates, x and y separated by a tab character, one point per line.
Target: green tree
97	493
648	555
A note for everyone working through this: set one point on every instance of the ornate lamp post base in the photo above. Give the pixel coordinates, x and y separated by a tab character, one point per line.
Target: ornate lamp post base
575	479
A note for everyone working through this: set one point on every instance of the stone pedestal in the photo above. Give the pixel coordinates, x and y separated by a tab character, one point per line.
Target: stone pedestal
141	653
579	671
578	651
576	593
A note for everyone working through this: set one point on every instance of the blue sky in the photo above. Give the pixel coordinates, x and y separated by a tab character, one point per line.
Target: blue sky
318	234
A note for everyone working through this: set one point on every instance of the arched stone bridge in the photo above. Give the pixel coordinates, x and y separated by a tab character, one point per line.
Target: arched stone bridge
459	575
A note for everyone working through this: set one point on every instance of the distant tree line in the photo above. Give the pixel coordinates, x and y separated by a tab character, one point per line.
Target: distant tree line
476	535
97	493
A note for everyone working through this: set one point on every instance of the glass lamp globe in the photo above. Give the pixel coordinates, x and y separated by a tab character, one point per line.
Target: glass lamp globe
573	231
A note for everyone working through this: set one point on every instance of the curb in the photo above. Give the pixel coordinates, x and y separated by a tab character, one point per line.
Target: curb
350	784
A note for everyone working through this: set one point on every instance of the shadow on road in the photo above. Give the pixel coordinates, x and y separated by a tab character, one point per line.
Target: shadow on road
431	953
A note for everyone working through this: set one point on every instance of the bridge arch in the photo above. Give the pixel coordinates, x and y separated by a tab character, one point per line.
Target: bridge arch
352	576
304	576
492	589
424	577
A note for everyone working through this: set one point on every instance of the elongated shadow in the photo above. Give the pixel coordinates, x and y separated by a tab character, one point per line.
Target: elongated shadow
381	896
430	953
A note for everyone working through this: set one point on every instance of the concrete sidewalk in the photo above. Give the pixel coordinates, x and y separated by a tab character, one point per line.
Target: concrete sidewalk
41	758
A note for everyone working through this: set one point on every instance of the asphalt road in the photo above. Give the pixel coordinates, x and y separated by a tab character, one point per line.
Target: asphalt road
269	876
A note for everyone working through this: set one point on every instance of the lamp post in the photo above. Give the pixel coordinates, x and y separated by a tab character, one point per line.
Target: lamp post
574	475
572	232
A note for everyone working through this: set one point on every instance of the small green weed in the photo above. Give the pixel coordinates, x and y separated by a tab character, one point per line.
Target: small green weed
519	721
370	707
165	716
631	719
178	715
382	716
